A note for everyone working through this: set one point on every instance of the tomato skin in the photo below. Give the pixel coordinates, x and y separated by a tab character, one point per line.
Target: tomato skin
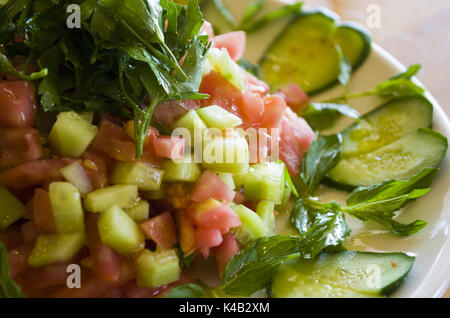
225	251
19	145
162	230
17	104
295	97
251	107
233	42
211	186
169	147
274	110
207	237
113	141
295	138
33	173
42	212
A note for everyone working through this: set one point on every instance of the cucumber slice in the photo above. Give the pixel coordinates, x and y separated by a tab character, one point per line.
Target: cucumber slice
305	52
158	268
55	248
194	125
118	230
229	155
71	134
386	124
65	200
344	274
221	62
184	170
227	178
252	225
265	181
399	160
265	209
140	212
125	196
12	209
143	175
216	117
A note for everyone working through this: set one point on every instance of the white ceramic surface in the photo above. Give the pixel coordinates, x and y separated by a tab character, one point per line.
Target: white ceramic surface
430	276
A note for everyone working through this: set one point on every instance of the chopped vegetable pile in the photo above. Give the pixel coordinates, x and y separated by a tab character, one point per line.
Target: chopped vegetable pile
100	164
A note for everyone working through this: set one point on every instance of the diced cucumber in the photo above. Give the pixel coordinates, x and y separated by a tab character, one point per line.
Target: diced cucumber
221	62
65	200
386	124
306	51
158	268
11	209
140	212
229	155
184	170
88	117
125	196
119	231
71	135
146	177
265	210
216	117
55	248
193	123
344	274
265	181
227	178
399	160
252	226
75	174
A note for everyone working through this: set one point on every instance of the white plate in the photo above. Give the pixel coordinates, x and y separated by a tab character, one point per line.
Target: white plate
430	275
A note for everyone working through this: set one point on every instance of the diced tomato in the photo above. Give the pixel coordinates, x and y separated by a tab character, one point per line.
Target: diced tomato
18	259
93	286
251	107
113	141
295	139
162	230
274	110
221	92
39	172
225	251
11	237
207	237
217	215
19	145
259	145
186	232
233	42
169	147
105	261
42	212
256	85
43	277
29	232
211	186
296	97
151	133
17	104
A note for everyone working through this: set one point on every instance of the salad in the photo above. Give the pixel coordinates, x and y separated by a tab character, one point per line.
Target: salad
144	156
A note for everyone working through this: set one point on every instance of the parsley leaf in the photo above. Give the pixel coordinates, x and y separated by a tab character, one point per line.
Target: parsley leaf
322	115
252	269
187	291
323	155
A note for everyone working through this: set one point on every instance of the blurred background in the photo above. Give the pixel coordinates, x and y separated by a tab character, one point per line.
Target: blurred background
414	31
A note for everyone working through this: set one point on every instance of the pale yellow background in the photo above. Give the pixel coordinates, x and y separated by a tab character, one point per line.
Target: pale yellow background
414	31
